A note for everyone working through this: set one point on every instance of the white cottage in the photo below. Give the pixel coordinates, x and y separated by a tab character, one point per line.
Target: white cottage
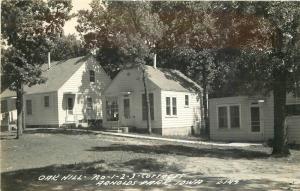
174	102
71	95
244	118
8	116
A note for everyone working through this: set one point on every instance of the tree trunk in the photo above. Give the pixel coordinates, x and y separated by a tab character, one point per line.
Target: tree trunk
147	102
19	106
280	146
205	105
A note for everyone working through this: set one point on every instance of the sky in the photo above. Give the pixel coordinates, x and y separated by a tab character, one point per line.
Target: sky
69	27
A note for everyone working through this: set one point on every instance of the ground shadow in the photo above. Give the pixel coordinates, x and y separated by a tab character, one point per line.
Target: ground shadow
215	152
28	179
61	131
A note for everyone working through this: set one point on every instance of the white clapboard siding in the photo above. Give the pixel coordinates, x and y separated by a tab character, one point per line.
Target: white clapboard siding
186	117
130	80
80	84
293	129
243	133
42	115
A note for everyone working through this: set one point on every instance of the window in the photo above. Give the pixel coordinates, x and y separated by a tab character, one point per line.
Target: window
255	119
28	107
70	103
89	104
126	108
174	106
234	116
293	109
186	100
168	106
112	110
222	117
144	107
229	116
4	106
92	76
46	101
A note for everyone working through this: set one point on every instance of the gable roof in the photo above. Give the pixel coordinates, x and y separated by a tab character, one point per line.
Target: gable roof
171	80
57	75
7	93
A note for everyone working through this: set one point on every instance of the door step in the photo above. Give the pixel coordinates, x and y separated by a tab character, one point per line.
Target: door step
118	130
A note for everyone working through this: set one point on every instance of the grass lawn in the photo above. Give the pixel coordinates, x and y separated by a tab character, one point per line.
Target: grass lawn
84	161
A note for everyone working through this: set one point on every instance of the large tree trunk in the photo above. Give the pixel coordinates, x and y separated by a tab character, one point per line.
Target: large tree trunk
280	146
19	105
147	102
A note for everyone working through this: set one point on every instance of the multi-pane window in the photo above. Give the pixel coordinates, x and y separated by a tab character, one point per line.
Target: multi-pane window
168	106
229	116
89	104
4	106
222	117
186	100
171	107
112	109
46	101
92	76
234	116
28	107
174	106
144	106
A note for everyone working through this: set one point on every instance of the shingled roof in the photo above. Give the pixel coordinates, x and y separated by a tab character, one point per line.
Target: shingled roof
171	80
56	75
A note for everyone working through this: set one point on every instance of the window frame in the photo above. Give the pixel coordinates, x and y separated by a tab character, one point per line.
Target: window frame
28	112
260	125
229	115
92	76
89	103
239	117
218	120
186	100
112	108
48	101
174	98
168	106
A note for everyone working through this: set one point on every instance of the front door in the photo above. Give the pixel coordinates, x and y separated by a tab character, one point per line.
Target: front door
255	119
70	106
126	112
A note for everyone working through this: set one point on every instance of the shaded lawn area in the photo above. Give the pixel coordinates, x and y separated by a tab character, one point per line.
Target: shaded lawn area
24	161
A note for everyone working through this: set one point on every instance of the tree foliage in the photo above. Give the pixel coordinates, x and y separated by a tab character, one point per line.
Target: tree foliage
66	47
27	27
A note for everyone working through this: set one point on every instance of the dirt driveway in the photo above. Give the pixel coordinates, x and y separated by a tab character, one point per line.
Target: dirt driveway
83	161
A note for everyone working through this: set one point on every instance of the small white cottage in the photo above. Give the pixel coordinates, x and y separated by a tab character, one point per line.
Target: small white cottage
244	118
8	116
174	102
70	96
